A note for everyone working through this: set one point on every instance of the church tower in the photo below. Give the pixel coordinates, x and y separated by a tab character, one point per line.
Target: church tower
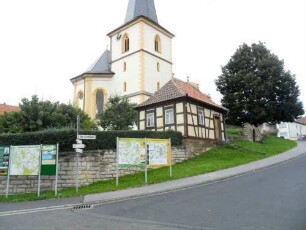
138	64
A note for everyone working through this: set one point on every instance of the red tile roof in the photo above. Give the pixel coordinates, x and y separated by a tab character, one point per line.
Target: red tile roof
8	108
176	88
301	120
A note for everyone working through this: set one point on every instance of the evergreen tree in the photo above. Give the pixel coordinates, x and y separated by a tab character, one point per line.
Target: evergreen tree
257	89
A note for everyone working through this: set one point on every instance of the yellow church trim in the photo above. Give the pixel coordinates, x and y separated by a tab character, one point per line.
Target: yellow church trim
74	95
87	97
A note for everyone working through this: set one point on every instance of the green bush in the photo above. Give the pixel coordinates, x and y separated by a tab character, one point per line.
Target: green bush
67	137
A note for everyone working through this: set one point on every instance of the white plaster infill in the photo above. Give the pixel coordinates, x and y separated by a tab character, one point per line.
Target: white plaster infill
186	183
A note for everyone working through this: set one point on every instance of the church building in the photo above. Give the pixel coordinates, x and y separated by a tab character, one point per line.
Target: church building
138	63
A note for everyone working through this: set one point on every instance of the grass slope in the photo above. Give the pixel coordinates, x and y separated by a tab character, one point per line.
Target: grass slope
238	153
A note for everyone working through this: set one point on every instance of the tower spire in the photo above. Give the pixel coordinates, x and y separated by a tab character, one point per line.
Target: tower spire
138	8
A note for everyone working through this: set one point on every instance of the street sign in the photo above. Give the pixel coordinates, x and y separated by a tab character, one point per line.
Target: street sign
87	137
78	146
79	150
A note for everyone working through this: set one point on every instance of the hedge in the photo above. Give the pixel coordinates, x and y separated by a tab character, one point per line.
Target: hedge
67	137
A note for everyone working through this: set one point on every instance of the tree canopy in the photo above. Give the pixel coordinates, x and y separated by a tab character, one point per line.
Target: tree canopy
118	115
38	115
257	89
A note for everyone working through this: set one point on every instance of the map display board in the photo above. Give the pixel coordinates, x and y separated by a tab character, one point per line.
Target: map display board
131	152
48	160
4	159
25	160
158	152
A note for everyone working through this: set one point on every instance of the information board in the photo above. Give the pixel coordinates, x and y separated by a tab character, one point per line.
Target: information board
48	160
4	159
131	152
158	152
25	160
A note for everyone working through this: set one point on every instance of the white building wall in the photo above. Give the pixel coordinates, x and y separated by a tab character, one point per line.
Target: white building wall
152	75
116	44
149	42
291	130
131	76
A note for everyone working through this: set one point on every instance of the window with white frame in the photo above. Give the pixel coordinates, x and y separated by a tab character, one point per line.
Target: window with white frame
201	117
169	116
150	120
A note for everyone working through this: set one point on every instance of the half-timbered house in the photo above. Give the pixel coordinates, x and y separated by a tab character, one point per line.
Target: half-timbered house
182	107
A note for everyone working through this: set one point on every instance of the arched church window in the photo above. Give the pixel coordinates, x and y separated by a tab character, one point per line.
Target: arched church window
99	103
158	67
125	43
157	44
124	87
124	66
158	86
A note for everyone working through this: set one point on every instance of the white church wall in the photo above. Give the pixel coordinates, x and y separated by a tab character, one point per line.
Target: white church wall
152	76
133	33
131	76
166	42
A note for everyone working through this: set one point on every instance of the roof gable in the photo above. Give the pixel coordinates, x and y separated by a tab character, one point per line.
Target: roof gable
138	8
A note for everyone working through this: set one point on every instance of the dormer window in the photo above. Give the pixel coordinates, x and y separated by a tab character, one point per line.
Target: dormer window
157	44
125	43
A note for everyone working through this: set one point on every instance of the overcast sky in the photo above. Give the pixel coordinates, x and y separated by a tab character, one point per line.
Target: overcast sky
45	43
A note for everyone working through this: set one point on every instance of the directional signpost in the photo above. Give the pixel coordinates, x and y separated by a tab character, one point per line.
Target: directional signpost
78	147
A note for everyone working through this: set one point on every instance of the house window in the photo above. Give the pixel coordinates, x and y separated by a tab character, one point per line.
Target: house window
201	119
157	44
158	67
150	120
124	87
99	104
169	116
125	43
124	66
158	86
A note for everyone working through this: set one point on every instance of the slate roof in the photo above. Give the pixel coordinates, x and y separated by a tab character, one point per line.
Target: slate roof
137	8
176	88
101	65
8	108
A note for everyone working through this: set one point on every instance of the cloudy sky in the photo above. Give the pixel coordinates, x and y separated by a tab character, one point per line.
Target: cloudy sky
45	43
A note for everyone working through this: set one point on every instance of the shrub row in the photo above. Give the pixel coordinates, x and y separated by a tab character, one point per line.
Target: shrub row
67	137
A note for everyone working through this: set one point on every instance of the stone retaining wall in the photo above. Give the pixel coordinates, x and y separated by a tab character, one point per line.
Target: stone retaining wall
94	166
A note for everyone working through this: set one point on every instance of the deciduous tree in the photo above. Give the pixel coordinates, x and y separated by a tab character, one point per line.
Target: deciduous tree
256	88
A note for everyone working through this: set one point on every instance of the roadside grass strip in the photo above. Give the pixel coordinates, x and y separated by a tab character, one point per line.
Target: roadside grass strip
234	154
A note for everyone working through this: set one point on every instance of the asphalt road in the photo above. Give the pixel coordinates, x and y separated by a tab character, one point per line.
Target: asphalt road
273	198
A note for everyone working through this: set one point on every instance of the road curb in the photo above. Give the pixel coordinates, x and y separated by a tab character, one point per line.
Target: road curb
186	183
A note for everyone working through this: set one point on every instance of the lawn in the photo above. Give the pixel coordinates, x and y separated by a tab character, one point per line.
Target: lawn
237	153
